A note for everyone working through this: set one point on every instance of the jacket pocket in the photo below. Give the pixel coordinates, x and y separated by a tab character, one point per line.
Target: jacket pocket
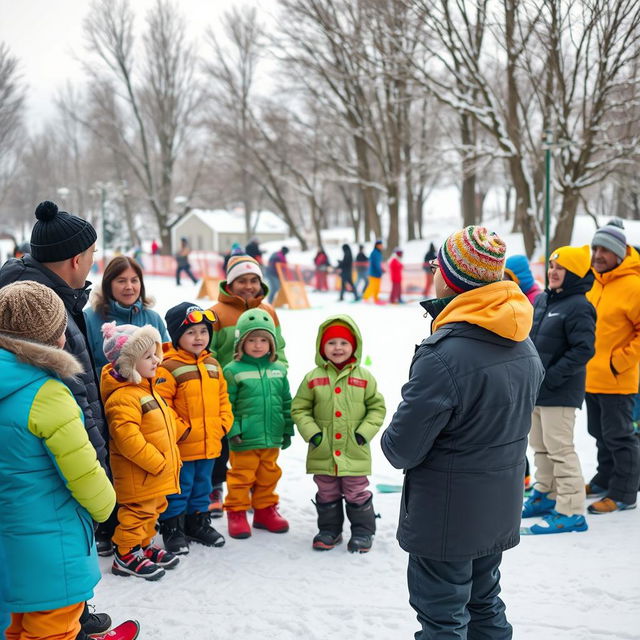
405	495
87	527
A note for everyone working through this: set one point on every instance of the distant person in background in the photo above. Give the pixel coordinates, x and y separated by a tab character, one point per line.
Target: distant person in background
321	261
137	255
253	249
21	250
431	254
182	261
236	250
155	248
375	273
395	269
121	296
345	267
362	269
517	269
279	257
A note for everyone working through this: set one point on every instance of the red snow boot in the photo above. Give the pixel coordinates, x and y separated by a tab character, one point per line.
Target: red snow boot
269	519
238	524
128	630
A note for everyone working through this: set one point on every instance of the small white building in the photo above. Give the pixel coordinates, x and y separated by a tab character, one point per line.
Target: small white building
217	230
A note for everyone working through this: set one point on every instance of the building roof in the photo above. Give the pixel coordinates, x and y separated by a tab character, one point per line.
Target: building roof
224	221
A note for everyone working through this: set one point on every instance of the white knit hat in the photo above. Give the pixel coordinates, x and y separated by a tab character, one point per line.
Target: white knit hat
241	266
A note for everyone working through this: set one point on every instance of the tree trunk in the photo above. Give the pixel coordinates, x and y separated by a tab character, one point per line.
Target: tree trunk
372	220
564	225
393	240
469	213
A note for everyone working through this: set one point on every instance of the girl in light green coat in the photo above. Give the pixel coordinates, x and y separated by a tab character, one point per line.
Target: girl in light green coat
338	410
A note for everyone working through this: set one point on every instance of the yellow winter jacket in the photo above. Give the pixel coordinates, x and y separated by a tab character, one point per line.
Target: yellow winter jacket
197	391
144	456
616	298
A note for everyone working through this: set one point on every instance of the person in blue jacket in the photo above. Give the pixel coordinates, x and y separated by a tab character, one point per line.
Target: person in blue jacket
52	483
121	297
375	273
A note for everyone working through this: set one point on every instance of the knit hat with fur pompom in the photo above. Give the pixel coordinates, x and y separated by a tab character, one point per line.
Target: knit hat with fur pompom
124	345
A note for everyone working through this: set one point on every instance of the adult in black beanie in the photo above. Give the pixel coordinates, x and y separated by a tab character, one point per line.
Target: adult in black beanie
61	256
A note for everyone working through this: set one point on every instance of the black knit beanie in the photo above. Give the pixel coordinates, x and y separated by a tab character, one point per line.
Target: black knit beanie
175	321
58	235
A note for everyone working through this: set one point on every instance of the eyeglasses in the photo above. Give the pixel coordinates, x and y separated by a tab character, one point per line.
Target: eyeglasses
198	316
434	265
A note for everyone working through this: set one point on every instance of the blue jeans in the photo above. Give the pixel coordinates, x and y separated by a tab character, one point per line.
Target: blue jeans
458	600
195	487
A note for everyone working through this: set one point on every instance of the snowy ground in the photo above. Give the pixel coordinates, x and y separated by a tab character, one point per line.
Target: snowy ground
580	585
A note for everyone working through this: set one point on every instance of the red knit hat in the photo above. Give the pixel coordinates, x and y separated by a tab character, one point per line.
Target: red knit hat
337	331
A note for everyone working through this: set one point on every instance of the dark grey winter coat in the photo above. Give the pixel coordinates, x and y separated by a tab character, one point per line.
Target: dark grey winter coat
460	433
84	387
563	332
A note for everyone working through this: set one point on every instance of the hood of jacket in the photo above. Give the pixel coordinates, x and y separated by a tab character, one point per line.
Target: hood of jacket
111	381
500	308
29	361
169	352
348	321
629	266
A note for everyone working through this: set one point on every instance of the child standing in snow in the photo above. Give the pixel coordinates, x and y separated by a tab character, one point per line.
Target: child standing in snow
261	401
191	382
338	410
243	289
144	457
52	483
395	269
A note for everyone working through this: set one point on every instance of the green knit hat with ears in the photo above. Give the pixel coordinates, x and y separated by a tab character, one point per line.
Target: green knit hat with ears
255	320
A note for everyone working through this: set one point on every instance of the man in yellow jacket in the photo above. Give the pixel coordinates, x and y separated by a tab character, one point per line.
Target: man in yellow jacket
612	374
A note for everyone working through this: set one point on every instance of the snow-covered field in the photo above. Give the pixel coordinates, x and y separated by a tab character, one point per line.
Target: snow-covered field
580	585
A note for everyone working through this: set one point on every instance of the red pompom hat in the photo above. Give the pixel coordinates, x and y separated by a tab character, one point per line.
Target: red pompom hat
337	331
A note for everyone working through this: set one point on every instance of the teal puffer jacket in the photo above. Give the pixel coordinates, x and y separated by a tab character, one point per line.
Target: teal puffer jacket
339	403
261	401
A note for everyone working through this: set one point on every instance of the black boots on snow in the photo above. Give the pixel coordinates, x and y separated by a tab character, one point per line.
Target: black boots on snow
330	520
198	529
173	536
363	526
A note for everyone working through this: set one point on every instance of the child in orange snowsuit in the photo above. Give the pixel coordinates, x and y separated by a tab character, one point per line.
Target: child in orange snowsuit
144	456
191	382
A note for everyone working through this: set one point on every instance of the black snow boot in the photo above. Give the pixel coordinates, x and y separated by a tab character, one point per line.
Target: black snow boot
363	526
173	536
198	529
330	520
92	623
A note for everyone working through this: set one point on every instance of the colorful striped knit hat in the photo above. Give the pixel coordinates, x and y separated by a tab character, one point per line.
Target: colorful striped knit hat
471	258
241	266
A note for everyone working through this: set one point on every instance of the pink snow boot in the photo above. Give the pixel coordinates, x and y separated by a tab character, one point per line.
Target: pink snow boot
269	519
128	630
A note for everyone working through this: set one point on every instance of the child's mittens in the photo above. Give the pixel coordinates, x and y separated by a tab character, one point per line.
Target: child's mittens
286	441
316	439
237	440
360	440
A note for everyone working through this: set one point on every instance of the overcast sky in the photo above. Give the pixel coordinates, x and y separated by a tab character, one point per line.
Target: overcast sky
45	35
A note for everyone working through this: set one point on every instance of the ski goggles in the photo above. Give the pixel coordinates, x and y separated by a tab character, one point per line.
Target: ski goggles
199	315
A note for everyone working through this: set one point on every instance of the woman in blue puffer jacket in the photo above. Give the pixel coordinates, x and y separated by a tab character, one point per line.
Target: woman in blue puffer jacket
121	296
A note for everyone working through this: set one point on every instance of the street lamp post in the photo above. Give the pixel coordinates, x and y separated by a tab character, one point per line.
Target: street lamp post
547	199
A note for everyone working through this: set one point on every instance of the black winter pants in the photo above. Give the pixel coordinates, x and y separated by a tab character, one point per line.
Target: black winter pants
458	600
609	422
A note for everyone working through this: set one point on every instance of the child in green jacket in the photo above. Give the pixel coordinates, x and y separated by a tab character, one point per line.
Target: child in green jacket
261	401
338	410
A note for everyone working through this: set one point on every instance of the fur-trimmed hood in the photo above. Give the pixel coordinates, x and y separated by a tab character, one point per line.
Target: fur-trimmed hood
43	357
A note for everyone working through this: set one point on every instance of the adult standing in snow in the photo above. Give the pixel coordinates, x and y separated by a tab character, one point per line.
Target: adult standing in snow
460	433
253	249
278	257
62	247
395	268
182	261
612	374
563	332
375	273
321	262
430	255
345	267
361	265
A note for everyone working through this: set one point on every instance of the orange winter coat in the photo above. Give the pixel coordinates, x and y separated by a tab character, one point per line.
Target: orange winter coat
197	391
616	298
144	456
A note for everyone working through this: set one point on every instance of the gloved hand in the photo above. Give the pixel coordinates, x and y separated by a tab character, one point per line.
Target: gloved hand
360	440
236	440
286	441
316	439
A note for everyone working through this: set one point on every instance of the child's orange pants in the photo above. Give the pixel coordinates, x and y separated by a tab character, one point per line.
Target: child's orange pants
137	523
56	624
373	289
252	479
